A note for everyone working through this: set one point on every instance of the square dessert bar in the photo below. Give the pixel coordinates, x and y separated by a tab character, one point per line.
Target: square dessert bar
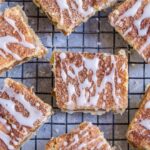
89	82
132	20
67	14
138	133
18	42
21	114
85	136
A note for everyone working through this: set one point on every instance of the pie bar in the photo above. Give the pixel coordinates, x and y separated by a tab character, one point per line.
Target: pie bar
18	42
88	82
21	114
139	130
85	136
67	14
132	20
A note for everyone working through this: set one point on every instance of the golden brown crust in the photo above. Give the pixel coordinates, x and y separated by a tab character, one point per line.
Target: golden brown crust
131	19
19	107
103	4
14	27
91	73
138	134
70	13
85	136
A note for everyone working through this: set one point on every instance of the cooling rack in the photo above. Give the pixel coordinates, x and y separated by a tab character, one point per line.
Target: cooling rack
94	36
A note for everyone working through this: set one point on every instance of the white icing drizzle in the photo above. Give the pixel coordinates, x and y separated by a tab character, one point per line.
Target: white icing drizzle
85	134
14	126
83	12
4	122
6	139
131	12
75	141
82	133
85	99
5	40
138	22
23	42
145	44
101	144
146	122
3	45
147	105
75	69
123	67
143	32
34	113
92	64
85	145
110	79
79	134
127	31
63	74
62	55
65	143
82	145
10	107
86	128
63	5
71	91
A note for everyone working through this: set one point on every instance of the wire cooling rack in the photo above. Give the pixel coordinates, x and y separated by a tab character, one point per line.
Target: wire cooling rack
95	35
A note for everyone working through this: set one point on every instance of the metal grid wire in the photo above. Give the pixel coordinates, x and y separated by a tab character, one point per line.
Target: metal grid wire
94	36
